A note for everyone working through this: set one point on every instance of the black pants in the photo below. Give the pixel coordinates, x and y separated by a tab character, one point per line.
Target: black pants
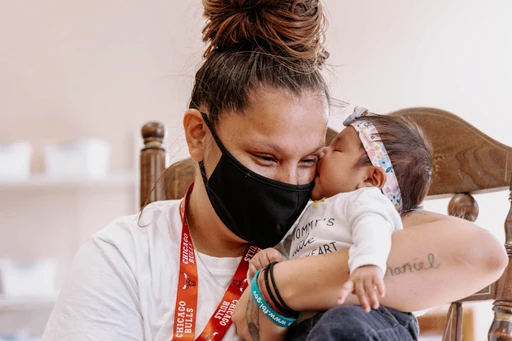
351	323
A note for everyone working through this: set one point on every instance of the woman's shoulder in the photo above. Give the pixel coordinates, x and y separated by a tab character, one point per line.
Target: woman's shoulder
157	226
159	215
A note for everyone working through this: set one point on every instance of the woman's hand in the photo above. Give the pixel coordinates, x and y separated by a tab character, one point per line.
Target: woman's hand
251	324
262	259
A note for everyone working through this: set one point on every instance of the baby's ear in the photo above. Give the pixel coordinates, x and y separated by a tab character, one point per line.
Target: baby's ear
375	177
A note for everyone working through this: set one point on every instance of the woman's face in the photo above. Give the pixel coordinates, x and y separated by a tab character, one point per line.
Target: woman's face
278	136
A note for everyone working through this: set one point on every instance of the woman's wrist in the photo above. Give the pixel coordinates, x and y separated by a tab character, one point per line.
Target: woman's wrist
274	293
312	283
264	292
265	307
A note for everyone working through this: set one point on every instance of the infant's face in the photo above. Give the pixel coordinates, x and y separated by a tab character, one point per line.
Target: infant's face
337	169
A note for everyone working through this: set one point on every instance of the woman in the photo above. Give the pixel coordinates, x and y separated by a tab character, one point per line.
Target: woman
256	125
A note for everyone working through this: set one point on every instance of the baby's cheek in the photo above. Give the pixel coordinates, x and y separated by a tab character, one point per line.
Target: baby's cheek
317	191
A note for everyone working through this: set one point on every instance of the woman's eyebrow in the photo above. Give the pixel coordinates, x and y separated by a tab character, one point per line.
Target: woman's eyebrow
280	150
269	145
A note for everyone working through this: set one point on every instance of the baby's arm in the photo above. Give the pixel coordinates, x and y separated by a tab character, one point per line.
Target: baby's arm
372	219
262	259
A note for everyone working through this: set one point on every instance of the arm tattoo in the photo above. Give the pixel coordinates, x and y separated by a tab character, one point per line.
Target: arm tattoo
414	266
252	314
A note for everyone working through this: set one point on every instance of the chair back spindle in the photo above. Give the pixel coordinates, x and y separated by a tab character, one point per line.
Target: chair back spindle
501	327
152	163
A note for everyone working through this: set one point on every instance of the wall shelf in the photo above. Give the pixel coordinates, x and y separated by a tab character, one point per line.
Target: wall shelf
41	181
27	302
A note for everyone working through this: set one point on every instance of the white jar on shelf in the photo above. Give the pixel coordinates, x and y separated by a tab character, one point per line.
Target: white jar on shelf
87	158
27	279
15	160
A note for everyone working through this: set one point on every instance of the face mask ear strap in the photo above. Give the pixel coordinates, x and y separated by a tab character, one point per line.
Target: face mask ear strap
217	141
203	172
214	133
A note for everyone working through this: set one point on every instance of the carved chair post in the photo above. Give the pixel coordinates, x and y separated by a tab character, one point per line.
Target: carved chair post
501	328
462	205
152	163
453	327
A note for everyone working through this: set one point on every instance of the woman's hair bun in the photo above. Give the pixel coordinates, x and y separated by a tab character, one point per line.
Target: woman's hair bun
287	28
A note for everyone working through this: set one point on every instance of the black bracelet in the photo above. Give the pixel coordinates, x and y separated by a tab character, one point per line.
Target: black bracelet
274	300
267	286
279	302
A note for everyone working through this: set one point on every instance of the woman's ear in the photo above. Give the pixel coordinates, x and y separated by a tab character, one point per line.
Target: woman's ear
195	131
375	177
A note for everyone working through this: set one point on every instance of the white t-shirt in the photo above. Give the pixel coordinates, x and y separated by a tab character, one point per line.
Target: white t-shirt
362	220
123	282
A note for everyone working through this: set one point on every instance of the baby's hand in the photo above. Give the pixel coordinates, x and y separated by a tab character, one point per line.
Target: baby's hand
365	281
262	259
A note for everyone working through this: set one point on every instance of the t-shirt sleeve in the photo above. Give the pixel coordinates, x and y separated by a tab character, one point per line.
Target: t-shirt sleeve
372	219
99	300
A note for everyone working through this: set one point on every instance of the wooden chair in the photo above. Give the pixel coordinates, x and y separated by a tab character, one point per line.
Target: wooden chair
466	162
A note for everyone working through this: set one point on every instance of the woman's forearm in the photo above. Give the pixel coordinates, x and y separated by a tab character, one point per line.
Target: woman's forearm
434	260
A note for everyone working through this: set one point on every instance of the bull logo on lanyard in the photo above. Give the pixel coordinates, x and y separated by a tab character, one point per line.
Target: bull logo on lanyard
240	284
188	282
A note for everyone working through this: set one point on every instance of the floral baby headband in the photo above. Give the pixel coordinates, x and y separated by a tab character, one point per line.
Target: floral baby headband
376	153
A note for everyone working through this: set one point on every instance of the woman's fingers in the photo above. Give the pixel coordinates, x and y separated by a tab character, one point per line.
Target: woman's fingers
252	270
273	256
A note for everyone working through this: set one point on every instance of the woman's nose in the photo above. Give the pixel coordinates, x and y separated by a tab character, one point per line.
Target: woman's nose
296	175
288	175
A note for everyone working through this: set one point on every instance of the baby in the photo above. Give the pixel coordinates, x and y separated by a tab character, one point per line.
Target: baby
374	171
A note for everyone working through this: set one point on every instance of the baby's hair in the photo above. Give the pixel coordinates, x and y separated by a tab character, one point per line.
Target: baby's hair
410	153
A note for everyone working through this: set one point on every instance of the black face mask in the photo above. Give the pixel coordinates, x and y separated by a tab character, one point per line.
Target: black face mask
257	209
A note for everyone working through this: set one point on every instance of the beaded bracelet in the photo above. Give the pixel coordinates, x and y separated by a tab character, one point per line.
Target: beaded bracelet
263	305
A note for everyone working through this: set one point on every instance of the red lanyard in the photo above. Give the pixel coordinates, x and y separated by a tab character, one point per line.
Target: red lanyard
186	300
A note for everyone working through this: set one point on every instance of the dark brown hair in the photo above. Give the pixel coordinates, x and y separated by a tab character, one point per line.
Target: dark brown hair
253	43
410	153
